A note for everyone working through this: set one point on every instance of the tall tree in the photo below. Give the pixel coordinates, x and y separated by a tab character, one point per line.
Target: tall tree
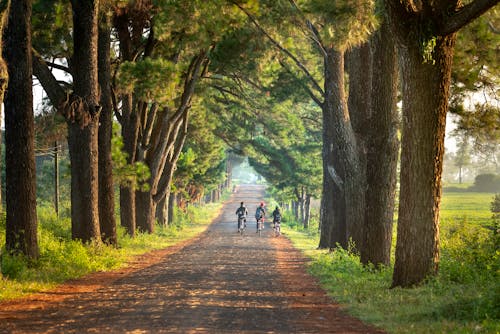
21	230
82	111
382	149
426	34
107	219
4	74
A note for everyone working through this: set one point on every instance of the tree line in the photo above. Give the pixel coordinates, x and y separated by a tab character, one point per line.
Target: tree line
307	89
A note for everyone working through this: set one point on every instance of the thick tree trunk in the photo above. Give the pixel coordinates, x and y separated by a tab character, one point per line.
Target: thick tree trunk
107	219
327	216
344	166
21	229
162	211
145	212
425	103
4	77
382	151
82	114
359	67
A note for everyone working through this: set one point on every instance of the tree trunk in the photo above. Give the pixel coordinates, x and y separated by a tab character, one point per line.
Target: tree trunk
56	178
21	228
107	219
425	103
171	202
307	216
382	151
129	121
82	115
359	67
145	212
162	211
344	166
4	75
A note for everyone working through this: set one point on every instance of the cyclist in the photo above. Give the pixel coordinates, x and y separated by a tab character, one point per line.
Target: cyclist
242	213
259	215
277	220
276	216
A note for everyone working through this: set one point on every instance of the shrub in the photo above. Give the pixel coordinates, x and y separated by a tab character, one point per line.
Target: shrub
486	183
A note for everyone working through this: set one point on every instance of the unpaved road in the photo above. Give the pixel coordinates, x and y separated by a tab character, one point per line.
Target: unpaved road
220	282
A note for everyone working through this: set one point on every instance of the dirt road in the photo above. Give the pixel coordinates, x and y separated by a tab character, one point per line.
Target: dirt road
220	282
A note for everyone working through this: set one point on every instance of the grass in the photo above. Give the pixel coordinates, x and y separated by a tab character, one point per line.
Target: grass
62	258
463	298
467	207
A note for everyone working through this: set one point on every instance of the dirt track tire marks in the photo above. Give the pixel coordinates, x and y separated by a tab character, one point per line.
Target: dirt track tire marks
221	282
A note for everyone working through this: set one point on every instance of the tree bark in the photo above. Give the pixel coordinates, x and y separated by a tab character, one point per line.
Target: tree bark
56	177
359	68
382	151
425	103
171	202
425	40
82	115
343	166
307	215
21	228
107	219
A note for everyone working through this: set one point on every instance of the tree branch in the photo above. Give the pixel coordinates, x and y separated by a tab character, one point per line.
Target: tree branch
307	89
55	92
465	15
315	84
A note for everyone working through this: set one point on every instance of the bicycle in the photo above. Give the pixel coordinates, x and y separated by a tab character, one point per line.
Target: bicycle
260	225
241	225
277	228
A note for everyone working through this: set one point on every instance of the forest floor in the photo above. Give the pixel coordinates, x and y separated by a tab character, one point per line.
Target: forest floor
218	282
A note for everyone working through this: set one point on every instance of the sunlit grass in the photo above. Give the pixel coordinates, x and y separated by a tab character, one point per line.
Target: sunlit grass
468	207
463	298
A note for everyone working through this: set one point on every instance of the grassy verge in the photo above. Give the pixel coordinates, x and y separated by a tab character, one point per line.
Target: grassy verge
62	258
463	298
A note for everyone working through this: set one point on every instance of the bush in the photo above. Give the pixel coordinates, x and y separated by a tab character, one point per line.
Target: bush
486	183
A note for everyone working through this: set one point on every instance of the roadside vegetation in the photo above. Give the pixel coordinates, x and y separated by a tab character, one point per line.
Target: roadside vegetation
463	298
62	259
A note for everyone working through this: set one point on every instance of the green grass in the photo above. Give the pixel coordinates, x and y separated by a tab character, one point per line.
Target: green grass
469	207
463	298
62	259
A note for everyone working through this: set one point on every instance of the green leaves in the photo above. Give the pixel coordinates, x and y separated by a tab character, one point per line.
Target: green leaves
343	24
151	79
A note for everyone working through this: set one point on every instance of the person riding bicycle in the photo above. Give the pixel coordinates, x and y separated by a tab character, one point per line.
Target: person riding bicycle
276	216
259	214
242	213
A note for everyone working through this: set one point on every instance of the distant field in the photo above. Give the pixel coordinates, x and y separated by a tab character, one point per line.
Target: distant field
465	206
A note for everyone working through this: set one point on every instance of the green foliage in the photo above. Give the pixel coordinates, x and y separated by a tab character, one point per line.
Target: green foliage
486	183
345	24
161	84
463	298
125	174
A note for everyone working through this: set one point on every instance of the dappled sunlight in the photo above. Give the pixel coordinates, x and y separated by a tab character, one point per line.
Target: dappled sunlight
222	282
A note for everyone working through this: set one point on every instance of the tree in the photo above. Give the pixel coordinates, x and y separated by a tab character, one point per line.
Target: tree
107	221
82	111
462	157
21	230
425	35
382	146
4	73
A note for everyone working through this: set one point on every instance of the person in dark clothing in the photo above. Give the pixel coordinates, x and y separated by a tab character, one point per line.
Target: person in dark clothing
276	216
259	215
242	213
